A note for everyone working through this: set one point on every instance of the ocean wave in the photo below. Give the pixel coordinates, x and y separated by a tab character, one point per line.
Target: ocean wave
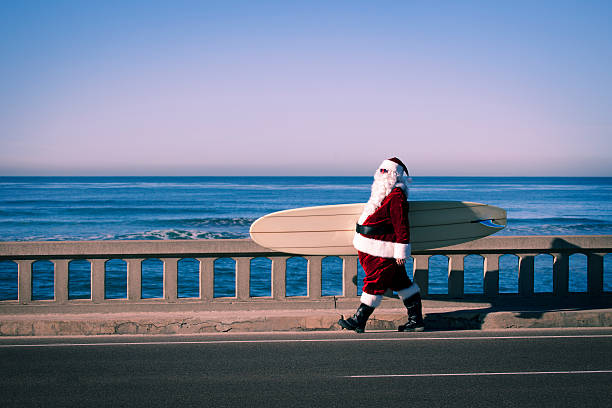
218	222
175	222
8	223
561	220
14	213
98	185
424	186
107	202
161	234
315	187
183	209
88	203
177	234
514	230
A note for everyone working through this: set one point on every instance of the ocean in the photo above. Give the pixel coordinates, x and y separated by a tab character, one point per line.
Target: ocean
169	208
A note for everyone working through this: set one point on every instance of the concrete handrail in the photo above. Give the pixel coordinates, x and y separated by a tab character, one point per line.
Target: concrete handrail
24	254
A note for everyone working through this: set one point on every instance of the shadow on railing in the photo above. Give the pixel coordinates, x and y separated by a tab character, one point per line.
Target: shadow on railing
124	276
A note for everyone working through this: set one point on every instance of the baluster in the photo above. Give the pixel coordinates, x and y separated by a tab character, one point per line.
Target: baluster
421	272
525	274
170	279
60	278
560	274
455	276
595	270
349	271
243	277
24	273
314	276
207	278
491	275
97	279
279	273
134	278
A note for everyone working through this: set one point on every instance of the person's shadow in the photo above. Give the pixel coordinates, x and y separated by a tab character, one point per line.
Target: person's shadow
532	306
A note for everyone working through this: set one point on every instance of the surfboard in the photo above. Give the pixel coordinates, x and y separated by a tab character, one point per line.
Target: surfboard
329	229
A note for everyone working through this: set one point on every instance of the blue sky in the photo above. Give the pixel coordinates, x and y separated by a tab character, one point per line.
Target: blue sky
478	88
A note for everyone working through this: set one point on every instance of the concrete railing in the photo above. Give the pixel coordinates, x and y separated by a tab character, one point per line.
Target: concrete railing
61	253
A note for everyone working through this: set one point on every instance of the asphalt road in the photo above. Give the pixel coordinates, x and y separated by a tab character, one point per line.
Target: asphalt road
560	368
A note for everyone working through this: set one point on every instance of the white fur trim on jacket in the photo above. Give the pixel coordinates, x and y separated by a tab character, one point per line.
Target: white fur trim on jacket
409	291
383	249
401	251
371	300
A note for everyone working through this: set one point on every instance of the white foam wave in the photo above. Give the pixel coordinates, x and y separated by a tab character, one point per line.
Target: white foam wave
174	234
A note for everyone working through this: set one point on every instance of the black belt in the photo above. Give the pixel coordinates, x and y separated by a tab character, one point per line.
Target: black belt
374	229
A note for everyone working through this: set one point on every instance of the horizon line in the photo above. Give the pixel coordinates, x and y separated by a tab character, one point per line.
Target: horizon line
279	176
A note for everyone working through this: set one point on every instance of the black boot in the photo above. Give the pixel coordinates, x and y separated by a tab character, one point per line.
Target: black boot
415	314
359	319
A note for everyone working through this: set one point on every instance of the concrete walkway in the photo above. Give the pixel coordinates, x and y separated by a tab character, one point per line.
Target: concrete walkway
439	315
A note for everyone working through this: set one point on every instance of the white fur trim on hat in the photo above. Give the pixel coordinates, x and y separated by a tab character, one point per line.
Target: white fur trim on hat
371	300
409	291
389	165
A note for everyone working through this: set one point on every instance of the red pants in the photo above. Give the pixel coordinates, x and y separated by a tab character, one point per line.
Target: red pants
382	274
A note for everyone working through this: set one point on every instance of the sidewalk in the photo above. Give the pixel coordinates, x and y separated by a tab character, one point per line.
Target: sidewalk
439	315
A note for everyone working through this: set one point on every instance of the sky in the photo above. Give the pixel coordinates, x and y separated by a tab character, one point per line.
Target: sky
283	88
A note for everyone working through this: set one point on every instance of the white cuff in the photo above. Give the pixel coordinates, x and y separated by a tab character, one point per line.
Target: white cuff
401	251
371	300
409	291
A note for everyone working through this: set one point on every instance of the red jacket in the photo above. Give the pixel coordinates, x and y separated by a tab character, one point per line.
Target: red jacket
393	212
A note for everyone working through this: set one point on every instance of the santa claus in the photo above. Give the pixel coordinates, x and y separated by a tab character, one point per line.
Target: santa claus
382	240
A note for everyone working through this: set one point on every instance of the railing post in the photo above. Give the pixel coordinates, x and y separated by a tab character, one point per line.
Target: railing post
491	275
595	269
314	276
525	275
455	276
421	272
60	278
243	277
207	278
349	270
98	269
279	273
134	278
24	273
170	279
560	274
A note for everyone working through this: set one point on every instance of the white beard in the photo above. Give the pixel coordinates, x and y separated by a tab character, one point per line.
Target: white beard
382	186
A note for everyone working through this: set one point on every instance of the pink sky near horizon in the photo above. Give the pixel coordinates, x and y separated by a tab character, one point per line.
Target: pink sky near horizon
206	88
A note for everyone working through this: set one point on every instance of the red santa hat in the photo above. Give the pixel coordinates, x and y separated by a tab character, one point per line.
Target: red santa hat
393	164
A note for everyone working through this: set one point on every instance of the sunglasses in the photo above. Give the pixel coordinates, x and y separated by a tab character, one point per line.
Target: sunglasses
384	171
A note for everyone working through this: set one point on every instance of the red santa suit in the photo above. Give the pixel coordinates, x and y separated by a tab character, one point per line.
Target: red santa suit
385	238
382	240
